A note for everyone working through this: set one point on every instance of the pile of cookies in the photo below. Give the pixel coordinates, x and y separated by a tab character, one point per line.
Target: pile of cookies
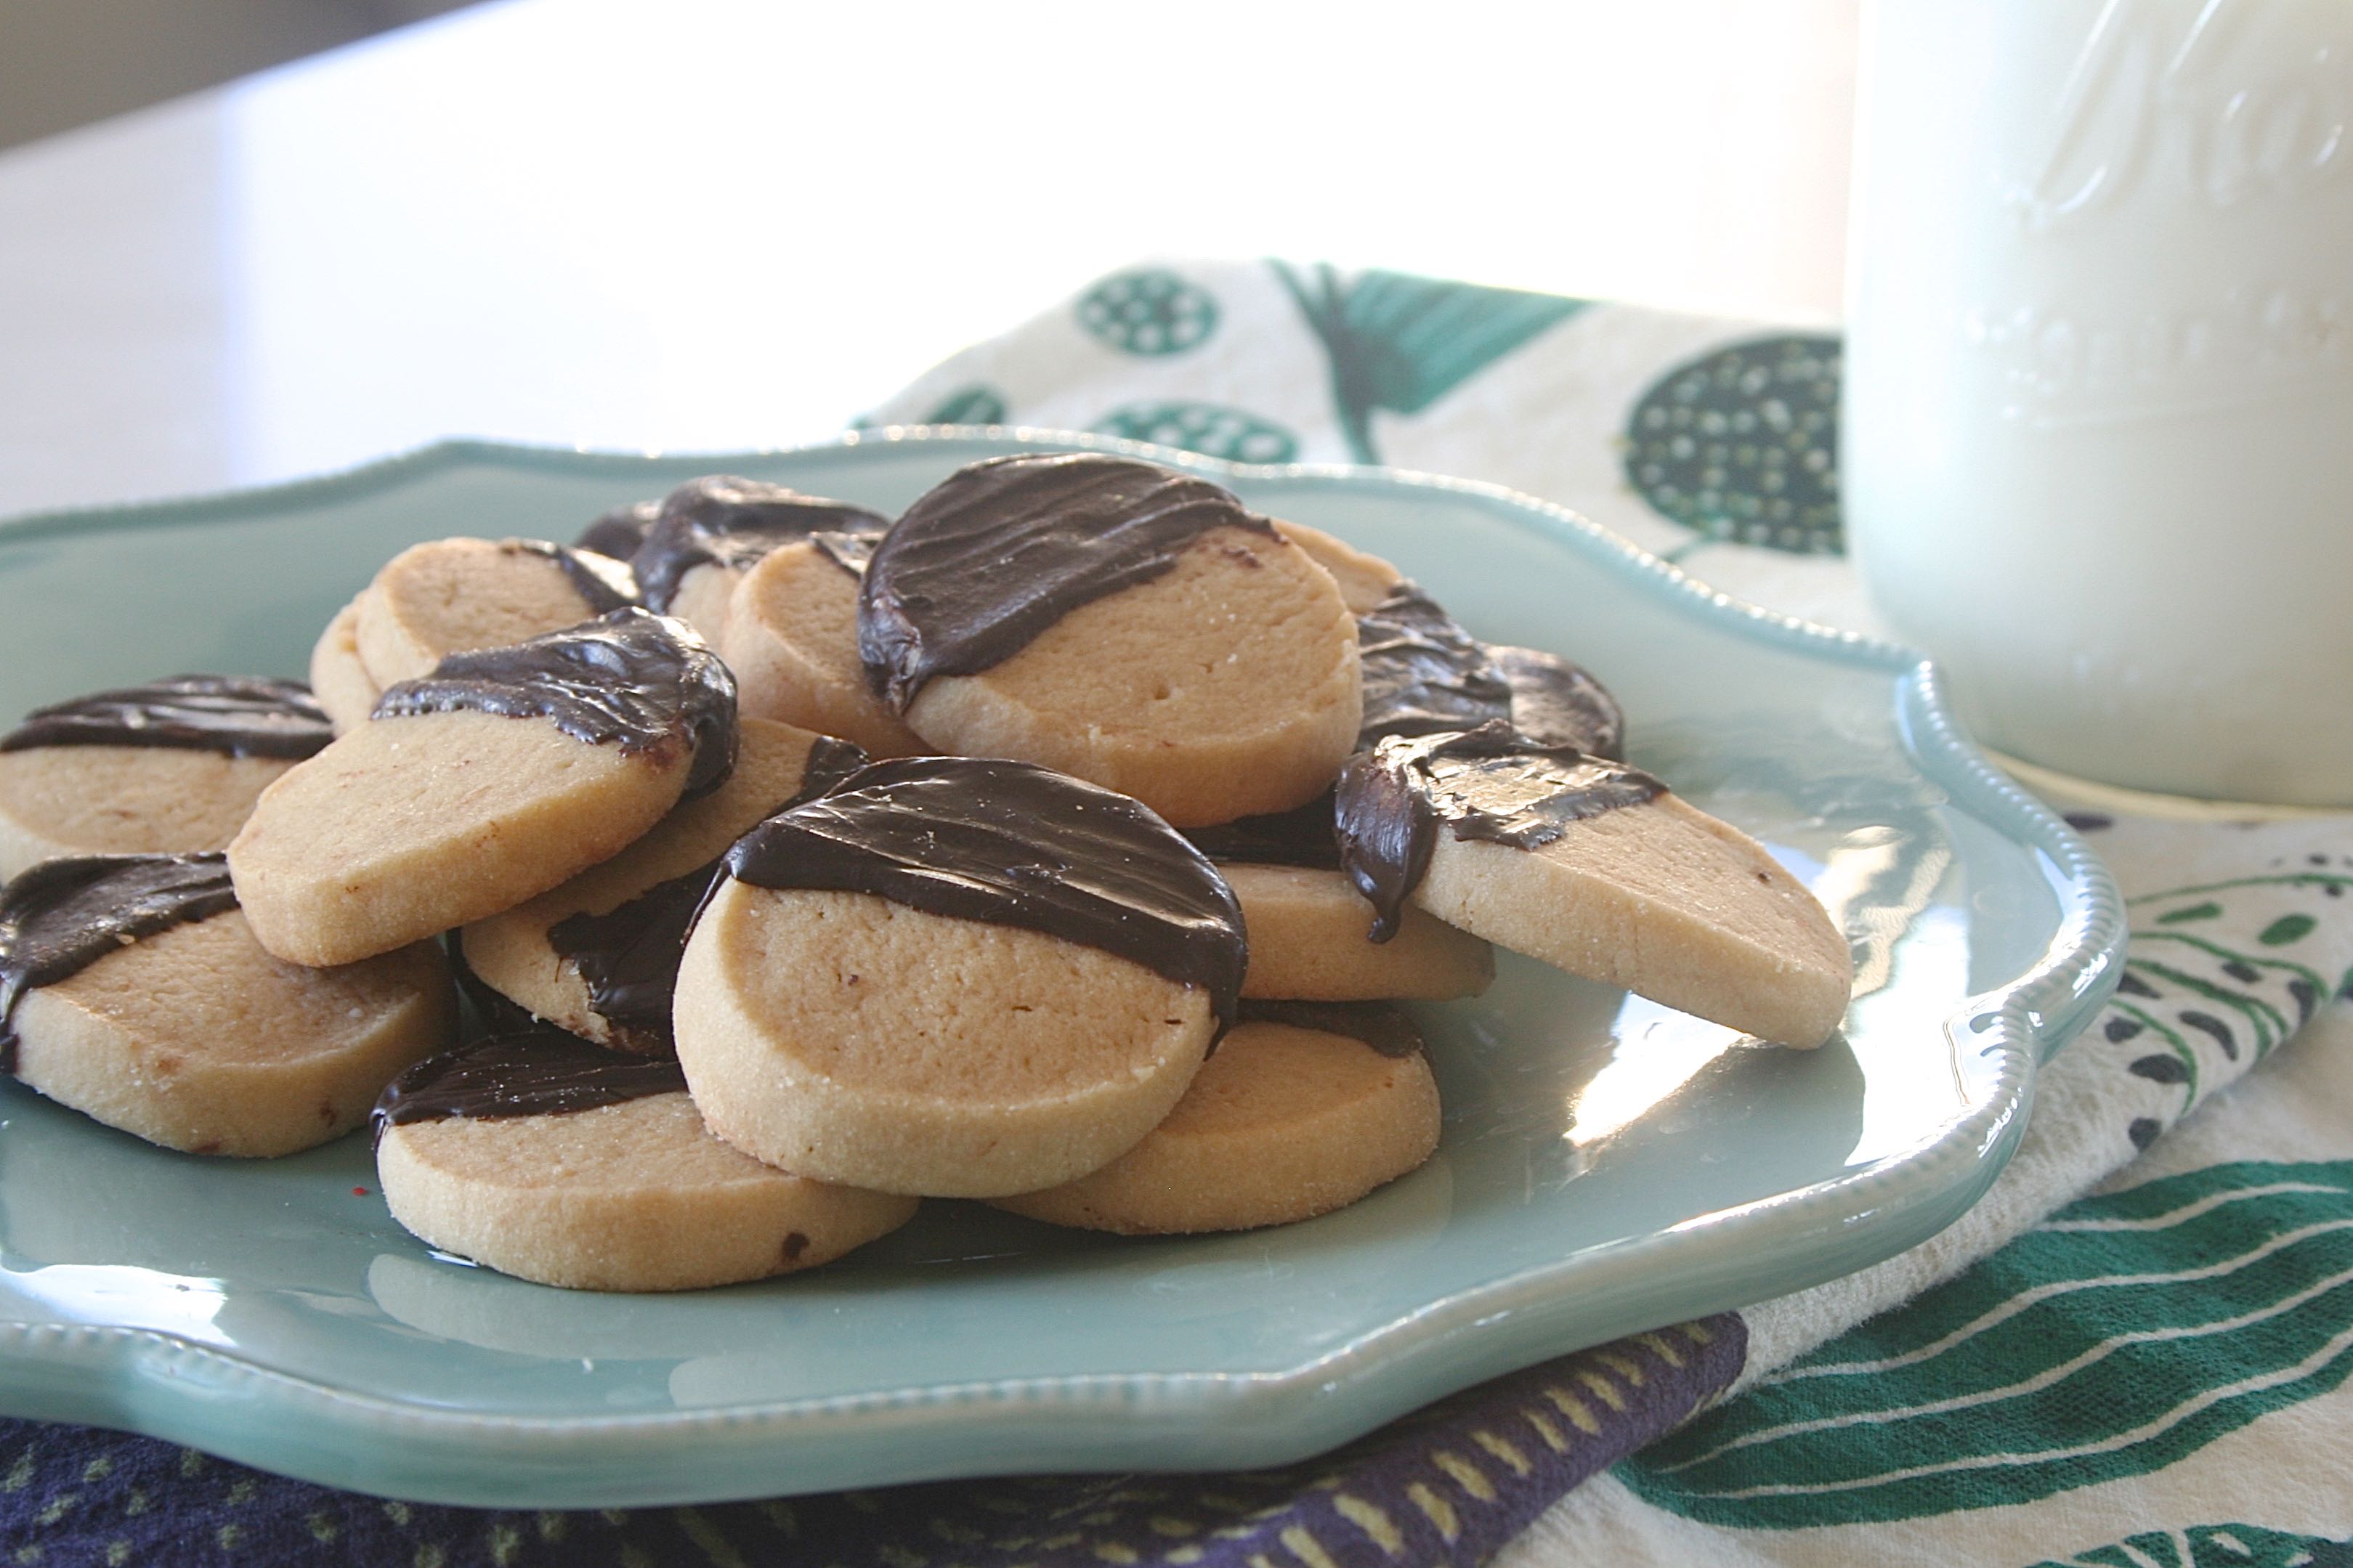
1066	843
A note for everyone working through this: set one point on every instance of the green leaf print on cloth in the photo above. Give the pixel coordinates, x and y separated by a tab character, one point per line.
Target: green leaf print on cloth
1150	311
2124	1332
1203	428
1400	342
2213	1546
2221	973
1742	444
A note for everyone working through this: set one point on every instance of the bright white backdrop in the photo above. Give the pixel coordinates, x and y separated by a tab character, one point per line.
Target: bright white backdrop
714	224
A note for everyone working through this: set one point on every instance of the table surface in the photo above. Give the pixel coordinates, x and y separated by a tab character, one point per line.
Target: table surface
727	225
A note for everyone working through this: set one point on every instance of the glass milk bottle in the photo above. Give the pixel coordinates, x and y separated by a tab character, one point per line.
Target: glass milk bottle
2098	440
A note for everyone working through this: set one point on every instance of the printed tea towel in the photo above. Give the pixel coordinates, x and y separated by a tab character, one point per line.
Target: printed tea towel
2133	1353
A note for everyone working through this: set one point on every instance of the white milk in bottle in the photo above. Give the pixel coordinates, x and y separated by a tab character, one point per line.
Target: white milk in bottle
2098	439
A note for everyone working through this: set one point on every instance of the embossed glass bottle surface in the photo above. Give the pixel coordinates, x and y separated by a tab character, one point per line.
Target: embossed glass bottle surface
2099	406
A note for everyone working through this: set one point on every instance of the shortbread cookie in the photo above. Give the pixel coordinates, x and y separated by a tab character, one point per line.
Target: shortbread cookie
792	641
1363	580
1594	868
1302	1109
340	681
1422	671
598	955
710	531
620	532
131	989
1311	931
955	977
506	772
169	767
1120	622
1556	703
553	1159
1310	940
454	595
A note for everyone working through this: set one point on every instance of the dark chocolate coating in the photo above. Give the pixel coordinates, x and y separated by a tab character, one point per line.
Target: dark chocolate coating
1014	844
535	1072
1383	1025
603	583
1559	704
721	521
236	715
639	680
1303	835
499	1013
629	956
1002	549
62	916
1488	784
1423	672
620	532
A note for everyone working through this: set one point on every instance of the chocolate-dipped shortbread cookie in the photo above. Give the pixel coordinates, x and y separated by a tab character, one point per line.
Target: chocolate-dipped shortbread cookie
555	1160
1304	1108
506	773
131	989
169	767
710	531
599	956
792	641
1557	703
454	595
1309	927
621	532
1592	866
955	977
1120	622
1424	673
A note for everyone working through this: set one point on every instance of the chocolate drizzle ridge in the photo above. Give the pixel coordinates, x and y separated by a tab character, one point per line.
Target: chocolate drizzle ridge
1490	784
1423	672
629	956
62	916
1014	844
633	679
603	583
541	1072
1002	549
236	715
1559	703
1383	1025
722	521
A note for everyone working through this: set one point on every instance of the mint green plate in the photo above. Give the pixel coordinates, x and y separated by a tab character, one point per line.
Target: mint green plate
1607	1165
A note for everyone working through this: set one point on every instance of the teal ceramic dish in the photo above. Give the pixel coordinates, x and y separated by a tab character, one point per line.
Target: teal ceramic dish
1607	1165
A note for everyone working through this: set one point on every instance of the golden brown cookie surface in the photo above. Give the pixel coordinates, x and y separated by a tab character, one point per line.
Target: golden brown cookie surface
1284	1122
622	1191
141	999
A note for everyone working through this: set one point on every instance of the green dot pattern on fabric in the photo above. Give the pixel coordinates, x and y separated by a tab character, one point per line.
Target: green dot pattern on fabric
1400	342
976	405
2212	1546
2126	1332
1150	311
1742	444
1203	428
